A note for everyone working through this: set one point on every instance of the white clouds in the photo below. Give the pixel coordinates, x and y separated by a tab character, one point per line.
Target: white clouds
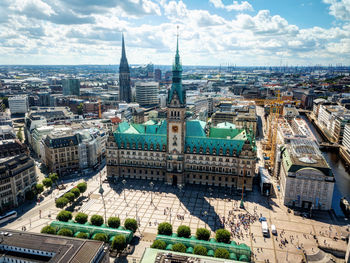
264	23
235	6
339	9
87	31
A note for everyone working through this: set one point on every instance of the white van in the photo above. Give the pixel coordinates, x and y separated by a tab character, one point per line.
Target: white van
265	228
273	230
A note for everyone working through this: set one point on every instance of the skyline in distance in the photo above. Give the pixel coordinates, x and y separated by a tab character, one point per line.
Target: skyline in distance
212	32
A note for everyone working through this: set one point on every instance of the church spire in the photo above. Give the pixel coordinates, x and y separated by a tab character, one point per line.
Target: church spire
176	86
124	76
123	47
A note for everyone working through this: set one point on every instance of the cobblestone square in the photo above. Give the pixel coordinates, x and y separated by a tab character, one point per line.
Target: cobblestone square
196	206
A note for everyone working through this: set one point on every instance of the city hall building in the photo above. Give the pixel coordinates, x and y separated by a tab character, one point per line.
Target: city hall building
179	151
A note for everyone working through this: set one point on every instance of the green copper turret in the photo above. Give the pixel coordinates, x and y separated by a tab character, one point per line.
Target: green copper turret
177	78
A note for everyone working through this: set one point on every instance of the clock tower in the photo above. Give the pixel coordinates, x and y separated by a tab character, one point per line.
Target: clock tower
176	125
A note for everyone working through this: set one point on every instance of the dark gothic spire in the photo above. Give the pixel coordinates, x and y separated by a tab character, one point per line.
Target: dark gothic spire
123	48
124	76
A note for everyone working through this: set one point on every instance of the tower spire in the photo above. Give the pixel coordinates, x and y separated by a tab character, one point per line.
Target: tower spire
177	40
176	86
124	76
123	47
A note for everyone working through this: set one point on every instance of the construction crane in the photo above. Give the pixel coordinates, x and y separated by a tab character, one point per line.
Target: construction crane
99	109
275	107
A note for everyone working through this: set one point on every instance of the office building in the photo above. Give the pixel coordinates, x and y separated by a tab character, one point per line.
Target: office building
241	114
147	93
71	87
61	152
19	104
306	179
332	119
124	77
179	151
157	74
12	147
17	175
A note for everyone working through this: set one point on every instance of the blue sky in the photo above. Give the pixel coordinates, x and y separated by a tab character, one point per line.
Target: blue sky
212	32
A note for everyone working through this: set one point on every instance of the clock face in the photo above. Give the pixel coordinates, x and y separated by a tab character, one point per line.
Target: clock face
175	128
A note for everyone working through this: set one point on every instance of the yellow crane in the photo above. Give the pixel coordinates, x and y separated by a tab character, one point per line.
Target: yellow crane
99	109
275	110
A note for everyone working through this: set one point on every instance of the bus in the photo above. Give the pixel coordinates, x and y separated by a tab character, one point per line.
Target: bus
63	193
8	216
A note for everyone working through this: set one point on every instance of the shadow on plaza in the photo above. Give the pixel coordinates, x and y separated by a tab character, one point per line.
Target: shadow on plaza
199	200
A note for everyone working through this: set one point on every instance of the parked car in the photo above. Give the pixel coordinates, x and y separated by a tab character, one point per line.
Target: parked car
273	230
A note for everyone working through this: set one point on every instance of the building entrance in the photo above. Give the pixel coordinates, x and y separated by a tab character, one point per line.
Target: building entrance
174	180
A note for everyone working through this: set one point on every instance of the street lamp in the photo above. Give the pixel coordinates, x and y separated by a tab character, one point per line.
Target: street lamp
180	188
170	216
151	184
210	191
242	203
124	182
205	215
101	191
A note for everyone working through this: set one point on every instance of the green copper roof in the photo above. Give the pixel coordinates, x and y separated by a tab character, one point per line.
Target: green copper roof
226	125
176	86
142	135
195	128
227	133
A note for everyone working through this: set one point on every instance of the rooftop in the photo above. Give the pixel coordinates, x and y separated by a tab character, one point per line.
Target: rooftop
152	255
303	153
60	249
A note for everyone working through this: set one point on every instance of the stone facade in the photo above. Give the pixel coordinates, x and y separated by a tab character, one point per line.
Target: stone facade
178	151
306	180
17	175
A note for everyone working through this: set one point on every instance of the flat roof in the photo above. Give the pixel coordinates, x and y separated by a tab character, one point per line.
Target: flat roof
66	249
151	255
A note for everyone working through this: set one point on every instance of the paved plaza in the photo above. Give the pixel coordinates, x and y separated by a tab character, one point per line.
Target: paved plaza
197	206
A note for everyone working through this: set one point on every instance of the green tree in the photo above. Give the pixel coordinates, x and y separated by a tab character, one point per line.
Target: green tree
82	235
101	237
47	182
64	216
80	109
165	229
82	187
76	192
20	135
222	235
200	250
48	230
130	224
222	253
179	247
70	196
119	242
53	177
203	234
183	231
81	218
61	202
39	188
65	232
159	244
114	222
96	220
